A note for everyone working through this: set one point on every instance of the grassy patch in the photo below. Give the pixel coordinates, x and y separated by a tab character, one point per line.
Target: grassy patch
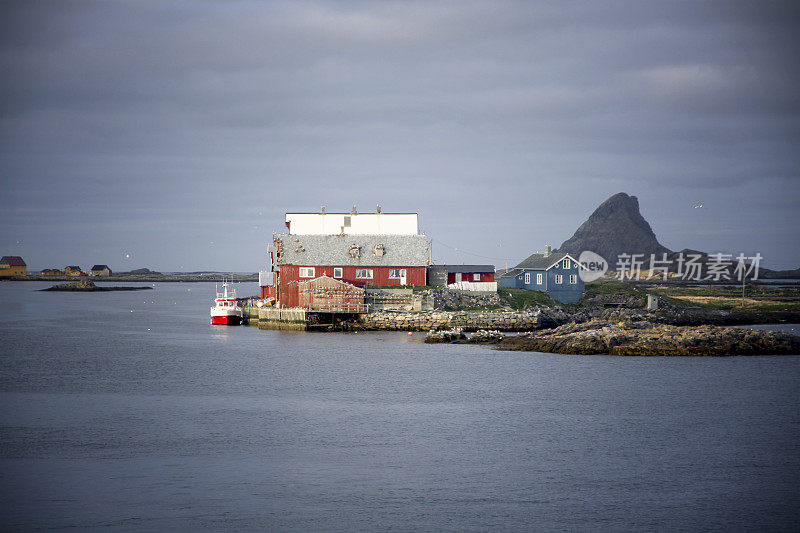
697	292
716	302
607	287
756	297
522	299
612	292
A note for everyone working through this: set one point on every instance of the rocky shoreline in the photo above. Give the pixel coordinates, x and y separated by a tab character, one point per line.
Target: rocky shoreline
634	338
551	317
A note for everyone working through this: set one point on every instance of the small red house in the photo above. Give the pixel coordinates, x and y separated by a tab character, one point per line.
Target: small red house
466	277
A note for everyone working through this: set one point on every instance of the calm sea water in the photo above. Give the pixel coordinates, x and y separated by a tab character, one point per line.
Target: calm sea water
128	411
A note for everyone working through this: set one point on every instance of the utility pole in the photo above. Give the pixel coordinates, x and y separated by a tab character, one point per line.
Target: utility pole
744	277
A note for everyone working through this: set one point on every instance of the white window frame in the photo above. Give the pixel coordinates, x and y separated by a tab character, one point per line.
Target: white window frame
397	273
306	272
539	279
338	272
573	279
566	263
527	278
559	279
476	276
364	273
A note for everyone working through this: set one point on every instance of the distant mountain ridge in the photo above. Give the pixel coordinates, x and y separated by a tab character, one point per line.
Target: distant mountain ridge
616	227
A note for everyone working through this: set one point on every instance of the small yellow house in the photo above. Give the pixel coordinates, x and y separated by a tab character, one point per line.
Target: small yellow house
51	272
101	270
12	265
73	270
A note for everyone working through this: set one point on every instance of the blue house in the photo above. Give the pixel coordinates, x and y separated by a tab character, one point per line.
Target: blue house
555	273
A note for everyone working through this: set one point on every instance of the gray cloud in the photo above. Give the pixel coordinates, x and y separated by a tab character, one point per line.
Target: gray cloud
503	124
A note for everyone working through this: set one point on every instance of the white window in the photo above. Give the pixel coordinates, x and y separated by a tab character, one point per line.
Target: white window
559	278
566	263
527	278
396	273
364	273
476	277
306	272
538	279
573	279
337	272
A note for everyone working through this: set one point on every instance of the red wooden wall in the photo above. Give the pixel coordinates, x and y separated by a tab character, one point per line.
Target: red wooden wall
289	275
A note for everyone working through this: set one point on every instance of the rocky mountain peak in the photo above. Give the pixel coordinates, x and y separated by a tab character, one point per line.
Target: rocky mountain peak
615	227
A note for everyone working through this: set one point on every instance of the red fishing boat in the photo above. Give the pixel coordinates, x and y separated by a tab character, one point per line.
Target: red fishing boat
225	311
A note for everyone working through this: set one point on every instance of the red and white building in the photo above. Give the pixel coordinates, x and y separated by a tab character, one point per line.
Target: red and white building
463	277
362	250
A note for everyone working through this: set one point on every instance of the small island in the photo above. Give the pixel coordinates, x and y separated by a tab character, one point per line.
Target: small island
633	337
86	285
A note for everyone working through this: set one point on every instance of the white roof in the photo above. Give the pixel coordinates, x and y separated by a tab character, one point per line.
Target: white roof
352	224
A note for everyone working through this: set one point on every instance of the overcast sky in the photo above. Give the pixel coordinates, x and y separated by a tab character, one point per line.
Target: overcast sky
179	133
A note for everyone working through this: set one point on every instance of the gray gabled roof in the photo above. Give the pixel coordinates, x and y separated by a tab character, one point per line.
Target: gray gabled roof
541	261
538	262
334	250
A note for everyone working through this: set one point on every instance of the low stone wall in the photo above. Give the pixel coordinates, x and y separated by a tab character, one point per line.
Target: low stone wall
456	299
404	299
274	318
496	320
250	315
423	321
